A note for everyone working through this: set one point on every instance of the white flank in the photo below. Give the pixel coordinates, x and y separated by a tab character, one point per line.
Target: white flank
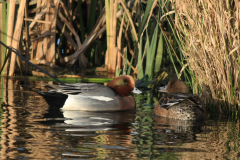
100	98
78	102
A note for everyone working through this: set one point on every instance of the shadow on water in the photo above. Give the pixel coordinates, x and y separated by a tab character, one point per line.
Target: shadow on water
32	130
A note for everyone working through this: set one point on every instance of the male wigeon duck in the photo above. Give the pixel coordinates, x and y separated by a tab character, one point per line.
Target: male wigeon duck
94	97
179	104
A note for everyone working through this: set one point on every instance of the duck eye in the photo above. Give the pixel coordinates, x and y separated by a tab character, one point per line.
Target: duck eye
126	84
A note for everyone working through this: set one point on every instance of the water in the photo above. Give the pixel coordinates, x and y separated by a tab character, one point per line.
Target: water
30	130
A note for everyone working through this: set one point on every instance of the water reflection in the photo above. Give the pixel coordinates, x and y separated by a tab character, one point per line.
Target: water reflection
8	123
94	134
32	130
95	121
172	131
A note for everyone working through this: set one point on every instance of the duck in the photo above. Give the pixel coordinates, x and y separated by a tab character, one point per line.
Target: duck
179	103
93	96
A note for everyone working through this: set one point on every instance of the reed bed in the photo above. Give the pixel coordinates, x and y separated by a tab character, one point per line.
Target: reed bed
208	33
51	31
123	35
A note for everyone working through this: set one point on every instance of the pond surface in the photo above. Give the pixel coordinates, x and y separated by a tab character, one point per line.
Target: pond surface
32	130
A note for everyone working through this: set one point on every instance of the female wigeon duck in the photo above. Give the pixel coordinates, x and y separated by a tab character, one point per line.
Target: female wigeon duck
94	97
178	104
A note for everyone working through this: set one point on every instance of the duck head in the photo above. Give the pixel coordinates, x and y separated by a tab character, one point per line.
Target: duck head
175	85
123	85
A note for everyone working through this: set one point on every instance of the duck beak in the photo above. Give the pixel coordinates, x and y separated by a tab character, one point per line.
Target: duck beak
137	91
162	89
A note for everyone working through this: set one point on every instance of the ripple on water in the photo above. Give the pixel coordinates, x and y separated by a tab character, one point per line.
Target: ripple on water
32	130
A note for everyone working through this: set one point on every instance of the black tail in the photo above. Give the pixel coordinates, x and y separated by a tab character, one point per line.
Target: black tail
54	99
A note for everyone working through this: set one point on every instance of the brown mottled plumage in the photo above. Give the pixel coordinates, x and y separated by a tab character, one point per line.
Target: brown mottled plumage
178	104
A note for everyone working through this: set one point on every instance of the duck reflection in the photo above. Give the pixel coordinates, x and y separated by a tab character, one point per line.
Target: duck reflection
96	121
177	131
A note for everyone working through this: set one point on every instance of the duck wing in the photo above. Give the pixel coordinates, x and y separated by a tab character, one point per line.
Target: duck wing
171	99
83	89
79	94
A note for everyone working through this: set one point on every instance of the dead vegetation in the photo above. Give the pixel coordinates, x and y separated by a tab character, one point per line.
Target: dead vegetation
209	37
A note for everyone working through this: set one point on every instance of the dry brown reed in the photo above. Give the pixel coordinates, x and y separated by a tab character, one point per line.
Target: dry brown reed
209	36
56	32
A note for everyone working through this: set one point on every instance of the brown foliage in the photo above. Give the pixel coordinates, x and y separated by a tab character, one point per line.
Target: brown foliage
209	33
